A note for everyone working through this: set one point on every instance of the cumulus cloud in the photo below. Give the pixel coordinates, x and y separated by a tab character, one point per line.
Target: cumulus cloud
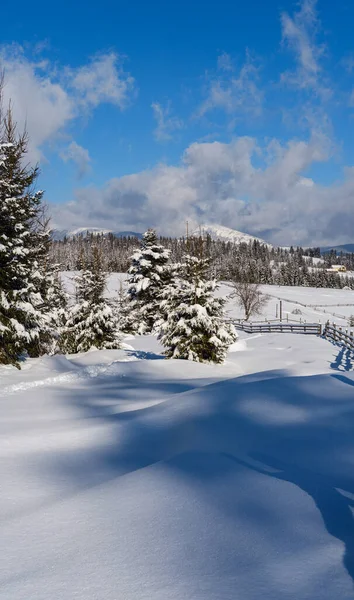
79	155
224	184
166	122
46	99
235	92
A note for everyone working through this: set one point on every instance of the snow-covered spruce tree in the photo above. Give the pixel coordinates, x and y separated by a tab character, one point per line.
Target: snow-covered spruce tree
51	298
148	275
193	326
122	307
21	249
55	310
92	322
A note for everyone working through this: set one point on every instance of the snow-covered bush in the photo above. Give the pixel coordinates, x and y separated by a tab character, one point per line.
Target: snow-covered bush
148	274
351	321
193	326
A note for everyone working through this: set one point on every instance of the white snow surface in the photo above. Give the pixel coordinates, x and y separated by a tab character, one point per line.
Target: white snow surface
128	477
322	304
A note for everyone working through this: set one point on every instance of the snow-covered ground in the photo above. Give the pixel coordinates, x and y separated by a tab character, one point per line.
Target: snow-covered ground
323	304
129	477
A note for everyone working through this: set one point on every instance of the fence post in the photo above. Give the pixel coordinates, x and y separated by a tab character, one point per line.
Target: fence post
340	337
280	310
334	332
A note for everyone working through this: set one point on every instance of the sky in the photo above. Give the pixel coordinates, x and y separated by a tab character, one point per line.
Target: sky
151	113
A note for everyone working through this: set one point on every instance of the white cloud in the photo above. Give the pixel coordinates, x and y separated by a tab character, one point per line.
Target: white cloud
310	108
220	183
166	122
236	93
102	80
46	99
39	103
299	33
225	62
79	155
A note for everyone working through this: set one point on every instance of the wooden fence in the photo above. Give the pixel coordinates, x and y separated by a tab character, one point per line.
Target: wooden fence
339	335
329	331
279	327
316	307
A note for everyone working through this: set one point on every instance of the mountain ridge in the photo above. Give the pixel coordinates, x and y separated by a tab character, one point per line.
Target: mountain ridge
60	234
220	232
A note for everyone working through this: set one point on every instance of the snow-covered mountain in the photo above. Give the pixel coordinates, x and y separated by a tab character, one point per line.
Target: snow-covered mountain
219	232
60	234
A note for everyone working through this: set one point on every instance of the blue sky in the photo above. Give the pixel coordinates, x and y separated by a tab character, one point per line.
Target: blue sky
150	113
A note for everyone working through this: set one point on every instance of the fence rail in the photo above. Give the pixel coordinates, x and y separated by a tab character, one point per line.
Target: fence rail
279	327
316	307
339	335
330	331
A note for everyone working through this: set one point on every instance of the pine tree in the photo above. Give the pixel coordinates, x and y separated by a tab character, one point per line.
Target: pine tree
148	275
193	325
21	248
92	322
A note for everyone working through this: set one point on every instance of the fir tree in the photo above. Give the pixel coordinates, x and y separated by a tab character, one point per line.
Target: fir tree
92	322
148	275
193	325
21	250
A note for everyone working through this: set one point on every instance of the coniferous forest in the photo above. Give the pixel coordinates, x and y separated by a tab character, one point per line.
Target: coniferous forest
253	262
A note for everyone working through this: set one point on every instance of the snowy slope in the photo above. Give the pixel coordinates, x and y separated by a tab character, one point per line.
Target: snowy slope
127	477
218	232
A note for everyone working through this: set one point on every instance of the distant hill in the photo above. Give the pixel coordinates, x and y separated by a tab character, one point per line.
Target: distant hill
349	248
216	232
60	234
219	232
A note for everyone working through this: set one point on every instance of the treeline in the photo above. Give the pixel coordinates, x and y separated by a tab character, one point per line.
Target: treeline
251	263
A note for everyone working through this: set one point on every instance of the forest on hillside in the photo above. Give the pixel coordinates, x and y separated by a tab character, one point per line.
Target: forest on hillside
253	262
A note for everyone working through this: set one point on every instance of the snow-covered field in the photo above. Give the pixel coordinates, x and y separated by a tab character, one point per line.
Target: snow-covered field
323	304
128	477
